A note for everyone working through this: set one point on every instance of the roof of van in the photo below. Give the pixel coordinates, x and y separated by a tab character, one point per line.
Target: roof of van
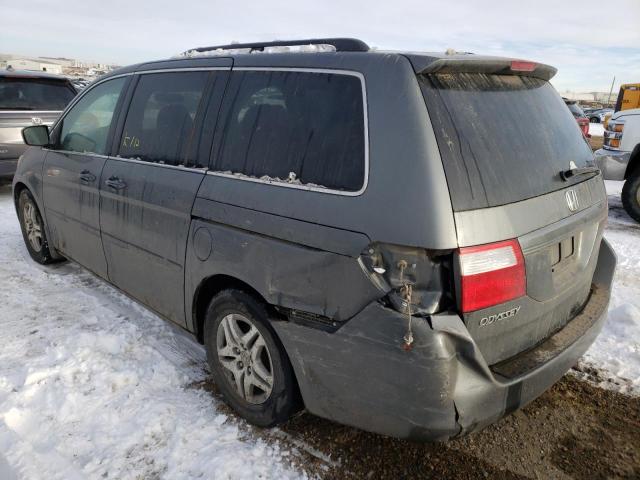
422	62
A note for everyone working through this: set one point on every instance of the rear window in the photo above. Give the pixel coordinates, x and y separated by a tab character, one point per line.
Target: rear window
303	127
34	94
502	138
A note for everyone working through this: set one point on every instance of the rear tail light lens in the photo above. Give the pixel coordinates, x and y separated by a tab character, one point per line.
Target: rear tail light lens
491	274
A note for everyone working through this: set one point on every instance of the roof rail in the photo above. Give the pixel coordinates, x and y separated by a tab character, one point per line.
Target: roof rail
340	44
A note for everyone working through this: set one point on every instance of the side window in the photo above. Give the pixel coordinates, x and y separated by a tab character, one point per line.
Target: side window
160	123
296	126
86	127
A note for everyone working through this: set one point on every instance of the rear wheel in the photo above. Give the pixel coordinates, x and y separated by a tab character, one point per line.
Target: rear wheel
631	195
248	362
594	120
33	230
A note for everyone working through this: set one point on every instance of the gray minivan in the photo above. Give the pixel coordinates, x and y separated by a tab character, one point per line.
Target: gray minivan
409	243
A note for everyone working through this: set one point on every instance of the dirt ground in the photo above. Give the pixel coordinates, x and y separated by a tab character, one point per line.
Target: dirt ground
573	431
596	142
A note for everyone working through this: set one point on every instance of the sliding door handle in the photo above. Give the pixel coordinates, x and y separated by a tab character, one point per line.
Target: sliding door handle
87	177
115	183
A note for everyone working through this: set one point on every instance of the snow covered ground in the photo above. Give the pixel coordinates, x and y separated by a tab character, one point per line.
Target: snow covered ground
92	385
617	349
596	129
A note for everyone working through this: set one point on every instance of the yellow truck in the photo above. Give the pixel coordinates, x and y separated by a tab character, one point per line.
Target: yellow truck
629	97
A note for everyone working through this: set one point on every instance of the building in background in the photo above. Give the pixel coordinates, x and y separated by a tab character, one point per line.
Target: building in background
69	67
37	64
590	98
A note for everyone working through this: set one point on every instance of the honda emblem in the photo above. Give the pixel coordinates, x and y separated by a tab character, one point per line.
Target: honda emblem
572	200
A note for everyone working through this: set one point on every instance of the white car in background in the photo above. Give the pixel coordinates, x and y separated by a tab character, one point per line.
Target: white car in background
619	158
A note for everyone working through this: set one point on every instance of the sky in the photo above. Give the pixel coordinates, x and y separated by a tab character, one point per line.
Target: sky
589	41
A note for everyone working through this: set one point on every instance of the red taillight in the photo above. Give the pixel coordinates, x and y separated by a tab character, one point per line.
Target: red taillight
523	66
491	274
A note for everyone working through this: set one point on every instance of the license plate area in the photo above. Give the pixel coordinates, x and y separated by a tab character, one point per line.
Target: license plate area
562	253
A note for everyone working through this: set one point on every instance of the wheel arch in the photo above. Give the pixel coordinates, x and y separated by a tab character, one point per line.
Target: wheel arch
208	288
17	189
214	284
634	162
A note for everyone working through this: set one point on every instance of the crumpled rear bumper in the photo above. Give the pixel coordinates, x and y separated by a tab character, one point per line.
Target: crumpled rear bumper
361	376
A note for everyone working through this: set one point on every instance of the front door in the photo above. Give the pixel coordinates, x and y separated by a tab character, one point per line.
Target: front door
72	171
149	190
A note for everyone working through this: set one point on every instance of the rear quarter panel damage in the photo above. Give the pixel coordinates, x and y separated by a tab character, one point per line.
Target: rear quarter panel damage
280	258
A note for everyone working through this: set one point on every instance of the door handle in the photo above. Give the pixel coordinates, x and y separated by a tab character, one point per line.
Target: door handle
115	183
87	177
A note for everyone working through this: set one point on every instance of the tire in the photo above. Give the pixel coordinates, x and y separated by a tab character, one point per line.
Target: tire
33	229
238	357
631	195
594	120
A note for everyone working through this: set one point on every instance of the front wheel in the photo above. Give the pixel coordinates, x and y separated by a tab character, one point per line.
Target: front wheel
247	360
33	231
631	195
595	120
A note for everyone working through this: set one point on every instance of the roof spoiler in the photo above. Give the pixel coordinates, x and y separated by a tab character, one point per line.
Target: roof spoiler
489	65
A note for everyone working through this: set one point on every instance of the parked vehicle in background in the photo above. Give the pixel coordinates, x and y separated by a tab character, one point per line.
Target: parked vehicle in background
578	114
80	83
27	98
598	116
417	264
628	99
619	158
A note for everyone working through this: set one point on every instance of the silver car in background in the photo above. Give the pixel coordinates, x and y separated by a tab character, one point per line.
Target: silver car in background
27	98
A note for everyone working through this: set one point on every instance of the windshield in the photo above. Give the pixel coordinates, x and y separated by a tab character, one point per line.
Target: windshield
502	138
34	94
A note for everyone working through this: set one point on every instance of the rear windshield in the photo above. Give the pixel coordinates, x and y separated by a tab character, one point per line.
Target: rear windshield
34	94
502	138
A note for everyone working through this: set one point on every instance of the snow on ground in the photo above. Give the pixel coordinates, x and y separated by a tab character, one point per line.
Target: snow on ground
92	385
617	349
596	129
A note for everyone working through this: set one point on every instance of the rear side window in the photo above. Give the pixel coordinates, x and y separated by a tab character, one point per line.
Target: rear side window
34	94
86	126
502	138
160	123
301	127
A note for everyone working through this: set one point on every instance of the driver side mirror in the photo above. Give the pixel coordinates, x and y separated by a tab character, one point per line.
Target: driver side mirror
36	135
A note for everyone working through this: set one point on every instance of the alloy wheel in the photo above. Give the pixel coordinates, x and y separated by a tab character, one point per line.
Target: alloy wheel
32	225
245	357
